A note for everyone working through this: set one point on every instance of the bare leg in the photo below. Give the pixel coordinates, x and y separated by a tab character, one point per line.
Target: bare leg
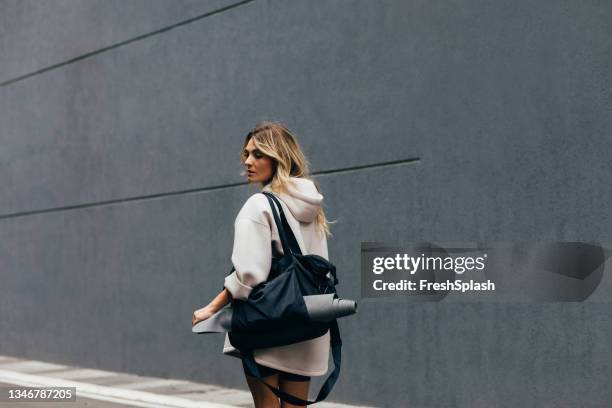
262	396
296	388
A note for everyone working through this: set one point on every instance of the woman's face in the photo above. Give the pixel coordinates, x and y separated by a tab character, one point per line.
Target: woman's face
258	165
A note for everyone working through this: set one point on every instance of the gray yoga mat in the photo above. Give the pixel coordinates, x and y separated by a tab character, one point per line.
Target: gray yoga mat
321	308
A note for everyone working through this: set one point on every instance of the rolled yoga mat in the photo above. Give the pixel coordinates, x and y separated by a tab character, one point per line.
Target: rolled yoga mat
320	308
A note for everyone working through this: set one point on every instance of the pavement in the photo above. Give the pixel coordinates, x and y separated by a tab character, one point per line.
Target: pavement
107	389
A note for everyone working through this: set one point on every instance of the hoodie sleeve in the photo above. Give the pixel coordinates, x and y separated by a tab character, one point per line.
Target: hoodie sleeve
251	256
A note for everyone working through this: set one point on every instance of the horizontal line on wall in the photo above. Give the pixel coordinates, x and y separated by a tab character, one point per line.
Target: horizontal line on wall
198	190
369	166
122	43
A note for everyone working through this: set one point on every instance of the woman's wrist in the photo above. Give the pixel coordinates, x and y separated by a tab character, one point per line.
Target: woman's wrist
211	308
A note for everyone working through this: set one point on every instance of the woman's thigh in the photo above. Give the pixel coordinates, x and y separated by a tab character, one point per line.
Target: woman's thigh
263	397
296	388
296	385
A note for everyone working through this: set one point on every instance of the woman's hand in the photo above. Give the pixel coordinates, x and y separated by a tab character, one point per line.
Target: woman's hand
213	307
202	314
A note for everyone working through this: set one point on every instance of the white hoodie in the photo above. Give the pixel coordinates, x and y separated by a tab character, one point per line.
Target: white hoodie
254	230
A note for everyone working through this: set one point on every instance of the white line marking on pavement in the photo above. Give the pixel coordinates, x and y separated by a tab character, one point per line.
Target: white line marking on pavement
31	366
79	374
149	384
110	394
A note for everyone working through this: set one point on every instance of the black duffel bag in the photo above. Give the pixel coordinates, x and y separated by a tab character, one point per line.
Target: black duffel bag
275	313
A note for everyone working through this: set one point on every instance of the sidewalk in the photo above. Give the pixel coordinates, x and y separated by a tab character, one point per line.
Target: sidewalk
127	389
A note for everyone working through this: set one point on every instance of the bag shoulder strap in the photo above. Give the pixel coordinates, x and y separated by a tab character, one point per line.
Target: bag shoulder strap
288	240
248	361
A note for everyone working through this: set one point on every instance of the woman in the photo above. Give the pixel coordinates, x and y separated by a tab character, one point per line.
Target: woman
273	158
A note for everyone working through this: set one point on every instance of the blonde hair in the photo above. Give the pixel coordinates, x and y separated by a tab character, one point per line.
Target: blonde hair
274	140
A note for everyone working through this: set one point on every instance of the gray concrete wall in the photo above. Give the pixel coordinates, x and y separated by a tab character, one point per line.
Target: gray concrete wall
120	130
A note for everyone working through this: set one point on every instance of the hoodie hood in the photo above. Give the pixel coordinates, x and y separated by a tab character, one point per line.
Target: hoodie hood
302	199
